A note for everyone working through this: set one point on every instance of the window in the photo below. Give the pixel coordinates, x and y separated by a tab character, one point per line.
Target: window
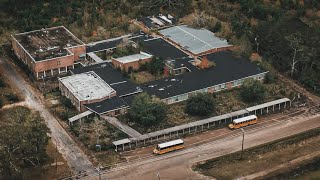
58	63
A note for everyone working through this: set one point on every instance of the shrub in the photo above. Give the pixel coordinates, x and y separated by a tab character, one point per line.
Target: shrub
270	78
200	105
1	103
12	97
252	91
66	102
2	83
146	111
156	66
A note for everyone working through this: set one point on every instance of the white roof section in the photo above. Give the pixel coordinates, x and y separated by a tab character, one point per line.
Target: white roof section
268	104
133	58
94	57
195	40
79	116
170	143
236	121
87	86
122	141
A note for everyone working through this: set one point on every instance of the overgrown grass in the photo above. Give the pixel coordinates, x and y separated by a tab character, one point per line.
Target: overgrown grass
261	157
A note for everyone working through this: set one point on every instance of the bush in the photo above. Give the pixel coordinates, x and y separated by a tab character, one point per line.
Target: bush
156	66
83	136
270	78
200	105
2	84
146	111
1	103
12	97
66	102
252	91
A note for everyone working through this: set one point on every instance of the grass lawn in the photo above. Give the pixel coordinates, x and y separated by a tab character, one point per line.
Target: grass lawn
262	157
142	77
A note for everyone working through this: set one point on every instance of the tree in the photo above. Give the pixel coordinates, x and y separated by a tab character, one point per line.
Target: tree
295	43
252	91
156	66
170	4
23	141
147	111
201	104
99	129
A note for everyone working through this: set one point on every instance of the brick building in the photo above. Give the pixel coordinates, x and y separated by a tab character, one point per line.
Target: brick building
48	52
133	61
85	88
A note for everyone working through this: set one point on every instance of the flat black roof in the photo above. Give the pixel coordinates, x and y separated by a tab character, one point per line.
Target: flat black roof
107	105
228	68
183	62
161	48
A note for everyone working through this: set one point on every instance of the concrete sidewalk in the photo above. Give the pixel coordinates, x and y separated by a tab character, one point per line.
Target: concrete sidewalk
121	126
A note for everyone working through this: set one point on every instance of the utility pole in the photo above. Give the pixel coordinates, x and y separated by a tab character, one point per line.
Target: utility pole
56	157
242	141
158	175
99	171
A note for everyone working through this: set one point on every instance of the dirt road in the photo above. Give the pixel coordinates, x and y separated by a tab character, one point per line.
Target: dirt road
177	165
76	158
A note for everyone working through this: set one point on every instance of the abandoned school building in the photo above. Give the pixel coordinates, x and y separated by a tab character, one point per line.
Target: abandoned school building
48	52
101	89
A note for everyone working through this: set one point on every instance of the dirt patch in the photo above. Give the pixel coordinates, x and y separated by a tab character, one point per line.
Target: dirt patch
262	157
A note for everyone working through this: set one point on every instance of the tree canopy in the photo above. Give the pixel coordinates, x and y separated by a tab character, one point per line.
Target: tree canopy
201	104
23	140
147	111
156	66
252	91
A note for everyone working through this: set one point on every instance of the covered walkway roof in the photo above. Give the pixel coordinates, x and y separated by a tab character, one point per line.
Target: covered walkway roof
122	141
201	122
268	104
79	116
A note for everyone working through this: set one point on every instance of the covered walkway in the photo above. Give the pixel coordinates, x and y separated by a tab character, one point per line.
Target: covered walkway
79	117
92	57
197	126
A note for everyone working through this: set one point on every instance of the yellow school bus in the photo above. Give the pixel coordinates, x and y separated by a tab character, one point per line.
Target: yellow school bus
244	121
169	146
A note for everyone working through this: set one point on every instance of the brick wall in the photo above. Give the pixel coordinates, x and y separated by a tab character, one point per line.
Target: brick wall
125	66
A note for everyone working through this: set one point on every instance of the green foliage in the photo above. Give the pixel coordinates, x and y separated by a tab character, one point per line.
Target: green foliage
12	97
217	27
1	103
275	44
23	140
201	104
2	83
252	91
146	111
270	78
66	102
156	66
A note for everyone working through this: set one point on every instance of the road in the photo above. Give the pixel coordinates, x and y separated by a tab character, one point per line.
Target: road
177	165
76	158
